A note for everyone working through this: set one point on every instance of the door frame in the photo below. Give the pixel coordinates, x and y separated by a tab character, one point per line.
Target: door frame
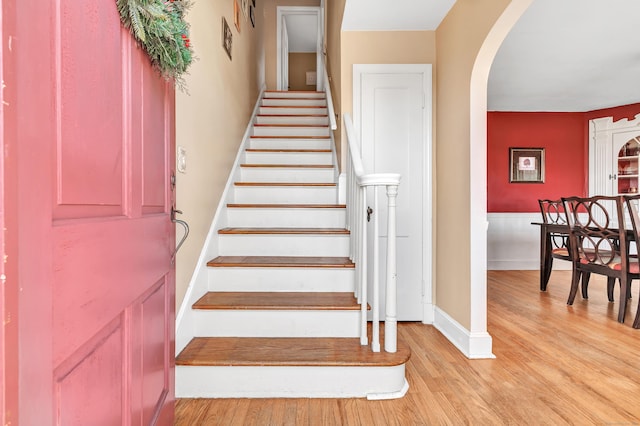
282	12
359	70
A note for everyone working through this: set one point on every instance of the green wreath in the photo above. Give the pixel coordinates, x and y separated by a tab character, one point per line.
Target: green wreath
160	28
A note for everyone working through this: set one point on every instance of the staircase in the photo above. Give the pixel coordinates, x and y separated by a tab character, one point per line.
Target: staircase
276	315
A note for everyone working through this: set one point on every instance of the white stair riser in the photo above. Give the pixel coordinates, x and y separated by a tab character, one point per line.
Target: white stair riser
293	174
294	94
285	194
288	382
293	120
292	110
289	143
283	245
288	157
281	279
275	217
290	131
272	323
294	102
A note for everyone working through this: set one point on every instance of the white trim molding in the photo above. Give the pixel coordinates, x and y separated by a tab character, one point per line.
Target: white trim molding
476	345
281	14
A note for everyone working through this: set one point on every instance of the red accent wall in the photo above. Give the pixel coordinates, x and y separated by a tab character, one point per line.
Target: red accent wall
562	134
618	113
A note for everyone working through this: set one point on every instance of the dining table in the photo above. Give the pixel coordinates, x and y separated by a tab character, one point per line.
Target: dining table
547	230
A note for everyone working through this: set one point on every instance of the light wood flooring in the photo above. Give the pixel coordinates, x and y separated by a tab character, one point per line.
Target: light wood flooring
555	365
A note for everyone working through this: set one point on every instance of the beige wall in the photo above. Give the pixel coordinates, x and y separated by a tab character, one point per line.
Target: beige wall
334	12
382	47
270	39
299	64
459	119
211	120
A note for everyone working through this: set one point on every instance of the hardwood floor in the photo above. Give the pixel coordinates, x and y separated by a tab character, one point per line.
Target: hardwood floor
555	365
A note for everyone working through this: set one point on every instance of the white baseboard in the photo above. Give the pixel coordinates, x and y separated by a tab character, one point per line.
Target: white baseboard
472	345
428	313
522	265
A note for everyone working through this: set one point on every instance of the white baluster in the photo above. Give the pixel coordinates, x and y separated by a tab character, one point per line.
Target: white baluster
363	267
391	320
375	337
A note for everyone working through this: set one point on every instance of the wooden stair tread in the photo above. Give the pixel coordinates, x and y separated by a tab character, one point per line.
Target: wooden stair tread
292	106
287	150
277	301
292	115
295	91
289	137
293	166
287	206
322	126
278	98
292	231
281	262
287	351
284	184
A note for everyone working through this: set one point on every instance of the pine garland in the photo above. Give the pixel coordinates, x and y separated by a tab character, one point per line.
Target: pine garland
160	28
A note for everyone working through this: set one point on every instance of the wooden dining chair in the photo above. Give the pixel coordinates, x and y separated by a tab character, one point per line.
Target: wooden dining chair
598	243
632	204
554	243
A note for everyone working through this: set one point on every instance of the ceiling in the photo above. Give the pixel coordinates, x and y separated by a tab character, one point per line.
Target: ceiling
303	33
562	55
569	55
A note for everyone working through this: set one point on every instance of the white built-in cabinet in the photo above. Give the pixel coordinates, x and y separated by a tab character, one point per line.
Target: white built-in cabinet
614	154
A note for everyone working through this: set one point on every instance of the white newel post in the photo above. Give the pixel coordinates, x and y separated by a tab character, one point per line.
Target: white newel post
391	320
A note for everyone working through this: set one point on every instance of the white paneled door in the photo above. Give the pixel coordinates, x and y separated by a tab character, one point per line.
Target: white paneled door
392	110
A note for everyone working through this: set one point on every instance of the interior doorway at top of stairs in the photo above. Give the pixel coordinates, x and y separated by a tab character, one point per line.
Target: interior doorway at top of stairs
299	29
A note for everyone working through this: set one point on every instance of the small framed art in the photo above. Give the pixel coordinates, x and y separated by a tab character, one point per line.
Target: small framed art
227	37
245	8
236	14
526	165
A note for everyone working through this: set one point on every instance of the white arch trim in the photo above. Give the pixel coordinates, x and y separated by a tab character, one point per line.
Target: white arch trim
479	340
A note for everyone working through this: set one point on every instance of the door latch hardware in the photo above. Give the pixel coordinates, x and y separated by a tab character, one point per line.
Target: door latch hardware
369	213
186	231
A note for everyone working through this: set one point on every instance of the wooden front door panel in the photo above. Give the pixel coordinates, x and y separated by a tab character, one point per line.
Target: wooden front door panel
111	291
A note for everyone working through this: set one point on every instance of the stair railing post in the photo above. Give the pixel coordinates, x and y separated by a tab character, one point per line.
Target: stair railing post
364	340
375	325
391	320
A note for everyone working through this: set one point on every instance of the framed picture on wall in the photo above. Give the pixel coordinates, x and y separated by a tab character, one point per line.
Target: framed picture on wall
245	9
526	165
236	14
227	37
252	15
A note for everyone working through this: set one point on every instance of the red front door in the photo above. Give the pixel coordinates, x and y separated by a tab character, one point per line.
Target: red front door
92	143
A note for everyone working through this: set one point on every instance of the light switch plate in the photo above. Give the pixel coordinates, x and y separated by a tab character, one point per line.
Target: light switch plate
181	160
